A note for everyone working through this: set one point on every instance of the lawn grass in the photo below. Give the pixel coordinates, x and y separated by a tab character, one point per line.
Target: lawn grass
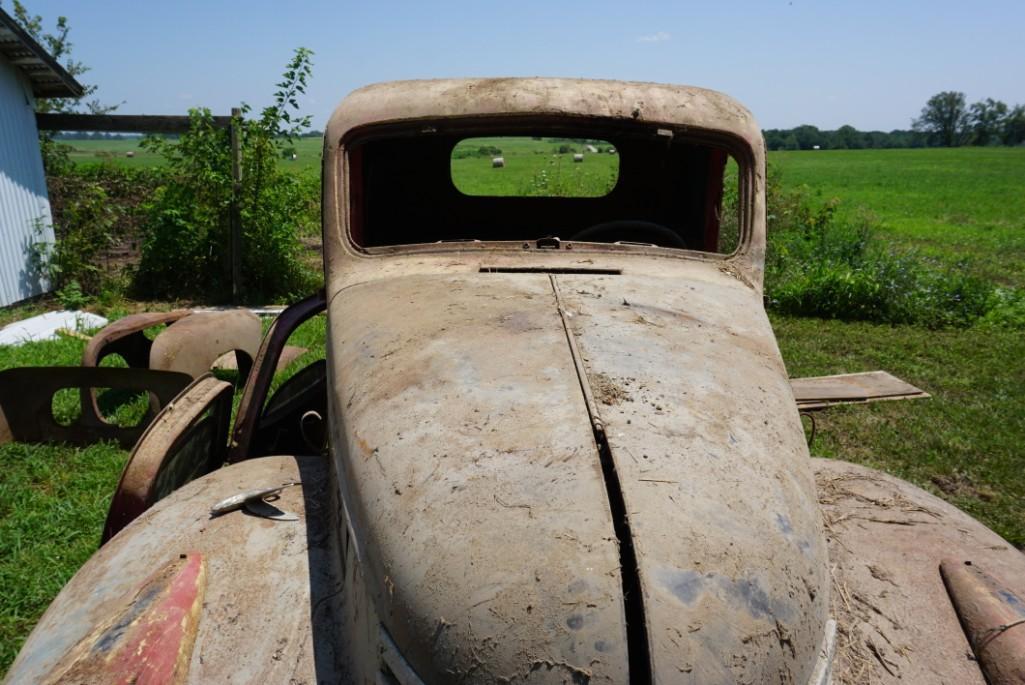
964	443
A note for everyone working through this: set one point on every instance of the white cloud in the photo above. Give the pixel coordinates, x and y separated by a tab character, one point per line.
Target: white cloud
659	37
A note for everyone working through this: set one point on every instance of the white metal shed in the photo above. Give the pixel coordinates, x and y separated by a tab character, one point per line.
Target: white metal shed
27	72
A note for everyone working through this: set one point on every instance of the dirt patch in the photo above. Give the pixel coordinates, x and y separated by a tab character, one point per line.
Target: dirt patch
958	484
607	391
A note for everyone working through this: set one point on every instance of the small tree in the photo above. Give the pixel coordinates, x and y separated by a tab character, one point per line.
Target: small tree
944	118
185	241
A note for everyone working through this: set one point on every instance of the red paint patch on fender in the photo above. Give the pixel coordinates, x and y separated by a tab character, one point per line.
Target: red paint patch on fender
149	640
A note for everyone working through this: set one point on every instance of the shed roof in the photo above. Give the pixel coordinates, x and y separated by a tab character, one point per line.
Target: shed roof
48	78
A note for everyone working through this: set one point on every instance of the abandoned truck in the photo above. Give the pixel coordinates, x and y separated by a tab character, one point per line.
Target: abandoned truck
553	441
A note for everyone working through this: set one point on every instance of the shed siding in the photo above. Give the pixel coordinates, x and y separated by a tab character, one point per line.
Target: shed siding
23	200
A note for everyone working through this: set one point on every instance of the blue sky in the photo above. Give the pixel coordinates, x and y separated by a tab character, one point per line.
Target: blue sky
870	64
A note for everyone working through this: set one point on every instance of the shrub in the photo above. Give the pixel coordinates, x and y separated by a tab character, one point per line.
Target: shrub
820	265
186	246
95	213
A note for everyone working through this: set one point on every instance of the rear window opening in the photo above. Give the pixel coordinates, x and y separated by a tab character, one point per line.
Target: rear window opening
644	187
534	166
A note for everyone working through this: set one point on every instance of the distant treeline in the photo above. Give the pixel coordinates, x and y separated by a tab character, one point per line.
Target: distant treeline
946	121
844	138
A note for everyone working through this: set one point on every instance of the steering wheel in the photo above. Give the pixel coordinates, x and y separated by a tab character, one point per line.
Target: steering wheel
631	230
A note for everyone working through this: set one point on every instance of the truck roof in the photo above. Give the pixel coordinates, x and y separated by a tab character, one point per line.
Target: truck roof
683	106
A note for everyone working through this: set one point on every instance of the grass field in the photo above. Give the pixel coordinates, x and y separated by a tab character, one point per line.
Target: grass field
308	152
965	444
952	204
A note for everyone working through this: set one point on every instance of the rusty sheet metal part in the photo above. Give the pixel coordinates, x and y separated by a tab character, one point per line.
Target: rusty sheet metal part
250	408
125	337
871	386
229	362
886	540
472	481
186	440
270	589
26	402
149	639
993	619
191	345
695	406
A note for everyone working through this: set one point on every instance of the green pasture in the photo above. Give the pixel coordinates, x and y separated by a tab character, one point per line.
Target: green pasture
952	204
308	153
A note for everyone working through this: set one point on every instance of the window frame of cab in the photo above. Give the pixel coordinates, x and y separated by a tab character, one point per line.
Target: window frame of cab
350	188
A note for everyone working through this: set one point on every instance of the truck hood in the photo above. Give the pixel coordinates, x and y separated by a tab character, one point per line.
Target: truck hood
517	451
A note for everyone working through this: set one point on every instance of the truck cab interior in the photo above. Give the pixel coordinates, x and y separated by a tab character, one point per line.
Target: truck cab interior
584	183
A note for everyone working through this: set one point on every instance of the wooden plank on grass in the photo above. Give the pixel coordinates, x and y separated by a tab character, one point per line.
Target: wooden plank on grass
871	386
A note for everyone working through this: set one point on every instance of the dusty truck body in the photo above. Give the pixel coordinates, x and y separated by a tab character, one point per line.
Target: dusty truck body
553	441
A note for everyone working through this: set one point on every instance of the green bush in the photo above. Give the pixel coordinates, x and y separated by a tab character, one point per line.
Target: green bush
95	210
186	241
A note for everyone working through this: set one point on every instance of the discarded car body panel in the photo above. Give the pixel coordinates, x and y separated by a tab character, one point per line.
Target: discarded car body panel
192	344
185	441
125	337
267	584
26	402
820	392
251	406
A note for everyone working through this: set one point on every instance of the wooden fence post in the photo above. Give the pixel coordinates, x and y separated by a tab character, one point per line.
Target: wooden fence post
235	218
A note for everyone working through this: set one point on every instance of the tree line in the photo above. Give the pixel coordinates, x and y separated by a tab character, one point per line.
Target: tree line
946	120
